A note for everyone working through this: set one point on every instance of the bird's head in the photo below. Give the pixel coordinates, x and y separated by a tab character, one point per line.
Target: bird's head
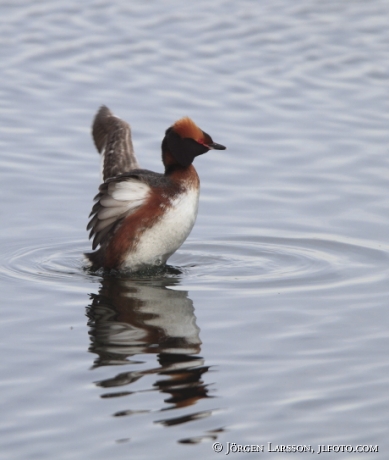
185	141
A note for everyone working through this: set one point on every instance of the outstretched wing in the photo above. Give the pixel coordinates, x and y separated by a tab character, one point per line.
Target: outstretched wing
112	138
117	198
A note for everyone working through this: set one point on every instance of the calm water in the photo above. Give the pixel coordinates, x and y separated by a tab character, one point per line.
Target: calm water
270	324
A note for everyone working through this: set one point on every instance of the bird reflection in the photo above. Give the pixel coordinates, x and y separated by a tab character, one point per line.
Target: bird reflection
129	318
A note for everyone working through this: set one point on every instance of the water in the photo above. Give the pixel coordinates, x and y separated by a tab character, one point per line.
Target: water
270	323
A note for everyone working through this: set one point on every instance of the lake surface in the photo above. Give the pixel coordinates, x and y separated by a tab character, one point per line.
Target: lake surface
270	324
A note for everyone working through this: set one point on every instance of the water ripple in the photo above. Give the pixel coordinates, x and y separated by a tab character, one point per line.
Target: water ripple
42	262
283	263
255	262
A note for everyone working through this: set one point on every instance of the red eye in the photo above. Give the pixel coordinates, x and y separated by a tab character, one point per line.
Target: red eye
201	141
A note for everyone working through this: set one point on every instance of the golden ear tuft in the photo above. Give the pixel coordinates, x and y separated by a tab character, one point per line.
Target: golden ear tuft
185	127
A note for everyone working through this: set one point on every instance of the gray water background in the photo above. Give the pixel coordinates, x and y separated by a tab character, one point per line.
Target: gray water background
271	324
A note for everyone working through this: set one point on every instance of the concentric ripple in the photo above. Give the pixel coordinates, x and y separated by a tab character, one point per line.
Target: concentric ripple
284	263
48	261
254	262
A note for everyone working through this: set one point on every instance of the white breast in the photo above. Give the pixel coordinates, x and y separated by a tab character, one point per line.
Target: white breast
158	243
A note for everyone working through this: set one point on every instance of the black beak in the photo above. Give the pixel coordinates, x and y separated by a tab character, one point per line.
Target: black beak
215	146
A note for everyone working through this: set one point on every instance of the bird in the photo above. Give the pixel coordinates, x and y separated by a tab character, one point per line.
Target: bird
140	217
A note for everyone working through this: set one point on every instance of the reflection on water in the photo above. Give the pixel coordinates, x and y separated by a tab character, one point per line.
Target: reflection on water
128	318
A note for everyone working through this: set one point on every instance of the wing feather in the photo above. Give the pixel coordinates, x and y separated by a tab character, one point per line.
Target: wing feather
99	237
112	138
113	212
117	198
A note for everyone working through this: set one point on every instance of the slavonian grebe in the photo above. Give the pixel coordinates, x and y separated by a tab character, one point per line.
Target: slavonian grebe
140	217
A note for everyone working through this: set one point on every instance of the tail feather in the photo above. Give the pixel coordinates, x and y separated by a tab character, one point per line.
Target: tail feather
95	259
